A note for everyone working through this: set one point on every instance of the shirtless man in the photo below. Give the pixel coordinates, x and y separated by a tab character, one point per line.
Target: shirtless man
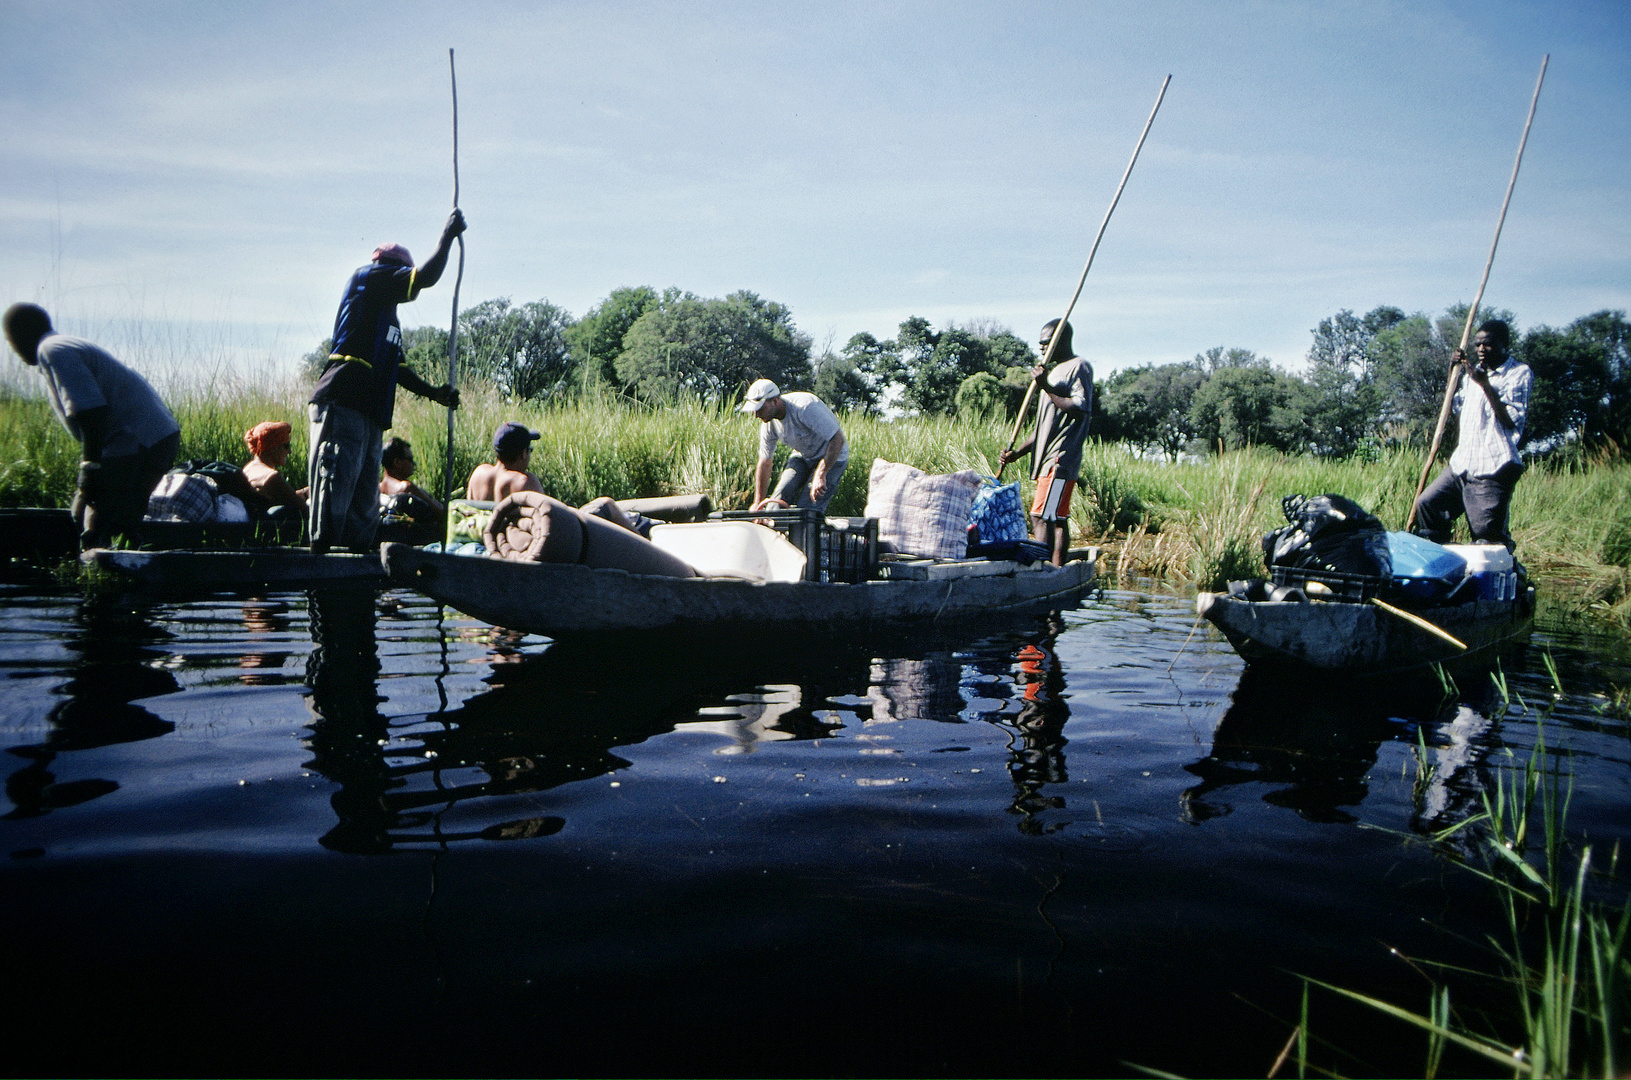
512	443
512	447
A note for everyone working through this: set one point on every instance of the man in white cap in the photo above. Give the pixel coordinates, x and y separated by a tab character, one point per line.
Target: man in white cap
811	432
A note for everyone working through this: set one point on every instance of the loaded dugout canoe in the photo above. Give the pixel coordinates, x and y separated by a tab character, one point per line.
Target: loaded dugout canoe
555	599
1364	639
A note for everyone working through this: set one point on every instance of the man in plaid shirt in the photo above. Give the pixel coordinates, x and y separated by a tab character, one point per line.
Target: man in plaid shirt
1485	465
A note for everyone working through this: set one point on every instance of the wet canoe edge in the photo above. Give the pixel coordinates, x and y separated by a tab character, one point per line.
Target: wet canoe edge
216	570
1364	641
555	600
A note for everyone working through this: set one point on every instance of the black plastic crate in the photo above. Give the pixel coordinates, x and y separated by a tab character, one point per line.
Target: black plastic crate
835	549
1355	587
849	549
1361	587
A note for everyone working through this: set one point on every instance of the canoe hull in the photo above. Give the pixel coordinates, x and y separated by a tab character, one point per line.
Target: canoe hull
206	570
556	600
1362	639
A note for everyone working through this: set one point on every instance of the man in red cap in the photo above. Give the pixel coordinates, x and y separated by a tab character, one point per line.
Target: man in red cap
356	396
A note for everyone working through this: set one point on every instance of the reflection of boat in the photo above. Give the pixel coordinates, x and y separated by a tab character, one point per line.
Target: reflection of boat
556	599
194	569
1308	745
1311	745
1364	638
50	532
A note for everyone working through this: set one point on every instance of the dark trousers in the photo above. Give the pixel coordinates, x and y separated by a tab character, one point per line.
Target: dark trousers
1484	499
116	501
344	471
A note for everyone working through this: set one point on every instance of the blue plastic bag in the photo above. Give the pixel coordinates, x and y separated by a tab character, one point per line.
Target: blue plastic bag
998	513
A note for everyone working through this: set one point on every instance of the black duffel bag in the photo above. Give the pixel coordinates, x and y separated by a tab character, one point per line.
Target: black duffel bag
1331	534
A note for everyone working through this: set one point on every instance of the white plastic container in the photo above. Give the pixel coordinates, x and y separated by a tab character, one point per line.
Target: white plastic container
1490	566
737	548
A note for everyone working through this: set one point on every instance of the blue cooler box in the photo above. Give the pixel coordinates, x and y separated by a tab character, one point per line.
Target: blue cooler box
1422	569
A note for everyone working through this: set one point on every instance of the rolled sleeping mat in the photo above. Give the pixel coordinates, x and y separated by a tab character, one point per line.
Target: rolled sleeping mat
529	527
673	508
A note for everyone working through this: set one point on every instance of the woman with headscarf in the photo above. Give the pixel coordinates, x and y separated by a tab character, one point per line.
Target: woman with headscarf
269	443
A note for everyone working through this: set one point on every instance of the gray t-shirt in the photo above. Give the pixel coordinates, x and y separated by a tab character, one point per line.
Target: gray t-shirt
807	428
1060	434
80	376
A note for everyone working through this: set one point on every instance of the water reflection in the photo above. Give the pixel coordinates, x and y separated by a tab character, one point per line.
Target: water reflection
116	665
264	619
560	716
1314	743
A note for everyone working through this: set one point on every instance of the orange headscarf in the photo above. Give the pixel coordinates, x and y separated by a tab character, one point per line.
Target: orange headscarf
268	436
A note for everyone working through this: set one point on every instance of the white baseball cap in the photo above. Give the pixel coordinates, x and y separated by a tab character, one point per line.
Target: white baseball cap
759	393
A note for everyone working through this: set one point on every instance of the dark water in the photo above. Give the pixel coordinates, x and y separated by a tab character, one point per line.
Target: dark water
344	833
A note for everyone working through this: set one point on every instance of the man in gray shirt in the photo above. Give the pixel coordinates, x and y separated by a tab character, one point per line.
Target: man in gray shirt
128	439
811	432
1056	446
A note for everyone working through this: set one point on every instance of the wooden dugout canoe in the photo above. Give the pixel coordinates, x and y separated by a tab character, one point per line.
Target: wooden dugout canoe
187	570
1362	638
560	599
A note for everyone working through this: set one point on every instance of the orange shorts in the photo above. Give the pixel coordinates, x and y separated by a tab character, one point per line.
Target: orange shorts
1052	502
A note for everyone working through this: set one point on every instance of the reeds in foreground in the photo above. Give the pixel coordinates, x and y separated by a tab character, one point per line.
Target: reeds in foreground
1564	960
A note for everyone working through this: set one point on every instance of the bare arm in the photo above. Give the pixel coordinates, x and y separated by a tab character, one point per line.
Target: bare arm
1497	406
835	447
761	479
430	273
443	395
93	432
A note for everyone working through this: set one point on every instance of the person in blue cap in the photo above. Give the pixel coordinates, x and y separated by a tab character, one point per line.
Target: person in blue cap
510	471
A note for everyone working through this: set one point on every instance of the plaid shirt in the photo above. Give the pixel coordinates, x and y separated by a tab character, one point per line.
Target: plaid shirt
1484	446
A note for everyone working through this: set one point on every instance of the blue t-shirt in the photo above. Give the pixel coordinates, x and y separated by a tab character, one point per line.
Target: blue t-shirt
361	372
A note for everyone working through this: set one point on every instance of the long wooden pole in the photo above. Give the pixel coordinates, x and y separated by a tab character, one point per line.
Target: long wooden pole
1053	341
453	332
1472	313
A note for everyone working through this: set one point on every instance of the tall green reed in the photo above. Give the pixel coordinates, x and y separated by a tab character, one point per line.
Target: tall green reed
1564	958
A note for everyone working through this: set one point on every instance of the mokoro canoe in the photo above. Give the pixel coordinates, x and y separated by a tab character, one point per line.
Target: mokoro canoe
207	570
563	599
1361	638
35	532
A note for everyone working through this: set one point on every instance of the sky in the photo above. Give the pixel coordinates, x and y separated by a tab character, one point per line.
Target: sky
190	184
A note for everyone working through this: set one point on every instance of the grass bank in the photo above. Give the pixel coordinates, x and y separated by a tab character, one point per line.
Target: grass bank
1196	523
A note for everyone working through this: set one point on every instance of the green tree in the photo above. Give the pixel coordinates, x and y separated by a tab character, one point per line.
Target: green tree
984	395
596	340
712	349
1342	399
1609	423
521	350
1150	406
842	386
873	362
313	363
930	366
1246	405
1218	359
424	349
1572	388
1411	360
